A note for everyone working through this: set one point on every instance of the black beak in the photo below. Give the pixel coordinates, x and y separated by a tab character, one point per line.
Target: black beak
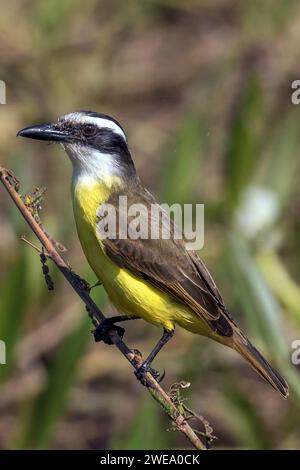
49	132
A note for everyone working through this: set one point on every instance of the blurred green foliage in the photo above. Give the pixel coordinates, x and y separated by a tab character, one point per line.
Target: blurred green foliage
203	89
40	415
14	298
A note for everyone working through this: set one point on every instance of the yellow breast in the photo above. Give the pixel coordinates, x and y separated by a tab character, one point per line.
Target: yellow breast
130	294
88	195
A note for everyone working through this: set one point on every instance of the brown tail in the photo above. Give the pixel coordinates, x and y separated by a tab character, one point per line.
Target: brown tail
253	356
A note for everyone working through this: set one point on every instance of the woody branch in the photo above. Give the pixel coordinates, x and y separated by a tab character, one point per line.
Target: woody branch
11	184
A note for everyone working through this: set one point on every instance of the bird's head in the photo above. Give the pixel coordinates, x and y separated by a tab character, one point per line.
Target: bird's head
96	143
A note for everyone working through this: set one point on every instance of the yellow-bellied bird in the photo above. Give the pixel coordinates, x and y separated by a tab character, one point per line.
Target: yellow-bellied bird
156	279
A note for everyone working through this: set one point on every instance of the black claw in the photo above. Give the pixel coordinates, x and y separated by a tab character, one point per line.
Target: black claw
141	372
154	373
161	378
101	331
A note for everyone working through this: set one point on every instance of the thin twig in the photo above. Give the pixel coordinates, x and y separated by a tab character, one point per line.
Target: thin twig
11	184
36	248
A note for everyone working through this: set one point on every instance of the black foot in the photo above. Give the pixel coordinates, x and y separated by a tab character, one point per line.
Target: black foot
141	372
161	378
100	333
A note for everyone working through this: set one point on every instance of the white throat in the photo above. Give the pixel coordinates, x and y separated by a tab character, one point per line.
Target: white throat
91	164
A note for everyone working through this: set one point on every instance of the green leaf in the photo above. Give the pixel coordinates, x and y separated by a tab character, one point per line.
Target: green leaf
179	178
245	421
244	141
281	167
279	280
255	298
146	430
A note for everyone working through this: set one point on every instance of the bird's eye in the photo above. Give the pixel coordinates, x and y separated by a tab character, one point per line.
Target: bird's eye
89	130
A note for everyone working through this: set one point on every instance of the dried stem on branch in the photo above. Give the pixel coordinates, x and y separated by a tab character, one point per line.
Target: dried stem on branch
12	186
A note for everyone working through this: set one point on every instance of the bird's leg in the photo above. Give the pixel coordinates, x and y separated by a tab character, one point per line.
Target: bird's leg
98	283
145	367
100	333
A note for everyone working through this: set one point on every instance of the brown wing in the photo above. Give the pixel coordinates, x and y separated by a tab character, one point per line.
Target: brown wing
166	264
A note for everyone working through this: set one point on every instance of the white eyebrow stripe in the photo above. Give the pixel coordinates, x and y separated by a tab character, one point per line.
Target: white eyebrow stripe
101	122
98	121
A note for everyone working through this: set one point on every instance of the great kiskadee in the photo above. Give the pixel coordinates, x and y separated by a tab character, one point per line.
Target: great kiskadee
158	280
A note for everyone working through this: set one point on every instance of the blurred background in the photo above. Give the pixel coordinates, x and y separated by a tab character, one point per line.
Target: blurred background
203	90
